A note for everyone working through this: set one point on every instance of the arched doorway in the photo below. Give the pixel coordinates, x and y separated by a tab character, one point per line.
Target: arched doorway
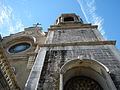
75	73
82	83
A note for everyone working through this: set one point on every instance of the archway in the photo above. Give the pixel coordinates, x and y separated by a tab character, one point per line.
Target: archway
82	83
93	70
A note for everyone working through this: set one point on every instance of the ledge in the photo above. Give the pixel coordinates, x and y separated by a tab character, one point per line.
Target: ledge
54	28
80	44
32	53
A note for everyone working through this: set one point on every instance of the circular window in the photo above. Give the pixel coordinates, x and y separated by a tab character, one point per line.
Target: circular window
19	47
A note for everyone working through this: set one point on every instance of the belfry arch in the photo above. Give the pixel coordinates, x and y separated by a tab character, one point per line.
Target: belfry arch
87	70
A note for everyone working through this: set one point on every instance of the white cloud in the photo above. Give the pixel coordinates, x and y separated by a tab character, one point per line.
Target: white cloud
89	10
83	11
5	13
8	22
19	26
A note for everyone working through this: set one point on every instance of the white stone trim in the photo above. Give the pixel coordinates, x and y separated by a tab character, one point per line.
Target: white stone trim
33	79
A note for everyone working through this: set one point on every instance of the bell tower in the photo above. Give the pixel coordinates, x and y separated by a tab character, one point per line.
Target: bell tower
75	56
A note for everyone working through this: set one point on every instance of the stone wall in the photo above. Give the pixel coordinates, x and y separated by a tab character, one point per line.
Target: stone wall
58	56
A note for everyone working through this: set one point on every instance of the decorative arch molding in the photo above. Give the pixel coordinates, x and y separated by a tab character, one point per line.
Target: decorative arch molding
89	68
18	39
85	63
24	38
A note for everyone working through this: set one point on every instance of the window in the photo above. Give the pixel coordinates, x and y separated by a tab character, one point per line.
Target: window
19	47
68	19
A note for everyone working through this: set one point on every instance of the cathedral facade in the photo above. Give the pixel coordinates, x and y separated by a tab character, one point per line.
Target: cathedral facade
70	56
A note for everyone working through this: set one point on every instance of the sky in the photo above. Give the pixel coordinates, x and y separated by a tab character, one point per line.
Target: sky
15	15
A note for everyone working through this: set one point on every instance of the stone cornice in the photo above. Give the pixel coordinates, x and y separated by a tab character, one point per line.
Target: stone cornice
80	44
58	27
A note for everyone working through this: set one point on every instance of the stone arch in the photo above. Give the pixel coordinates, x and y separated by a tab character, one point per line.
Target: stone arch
22	38
88	68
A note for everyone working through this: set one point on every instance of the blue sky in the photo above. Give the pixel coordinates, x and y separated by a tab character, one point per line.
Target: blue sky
15	15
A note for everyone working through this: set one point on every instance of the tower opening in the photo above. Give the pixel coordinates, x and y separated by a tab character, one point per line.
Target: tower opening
66	19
